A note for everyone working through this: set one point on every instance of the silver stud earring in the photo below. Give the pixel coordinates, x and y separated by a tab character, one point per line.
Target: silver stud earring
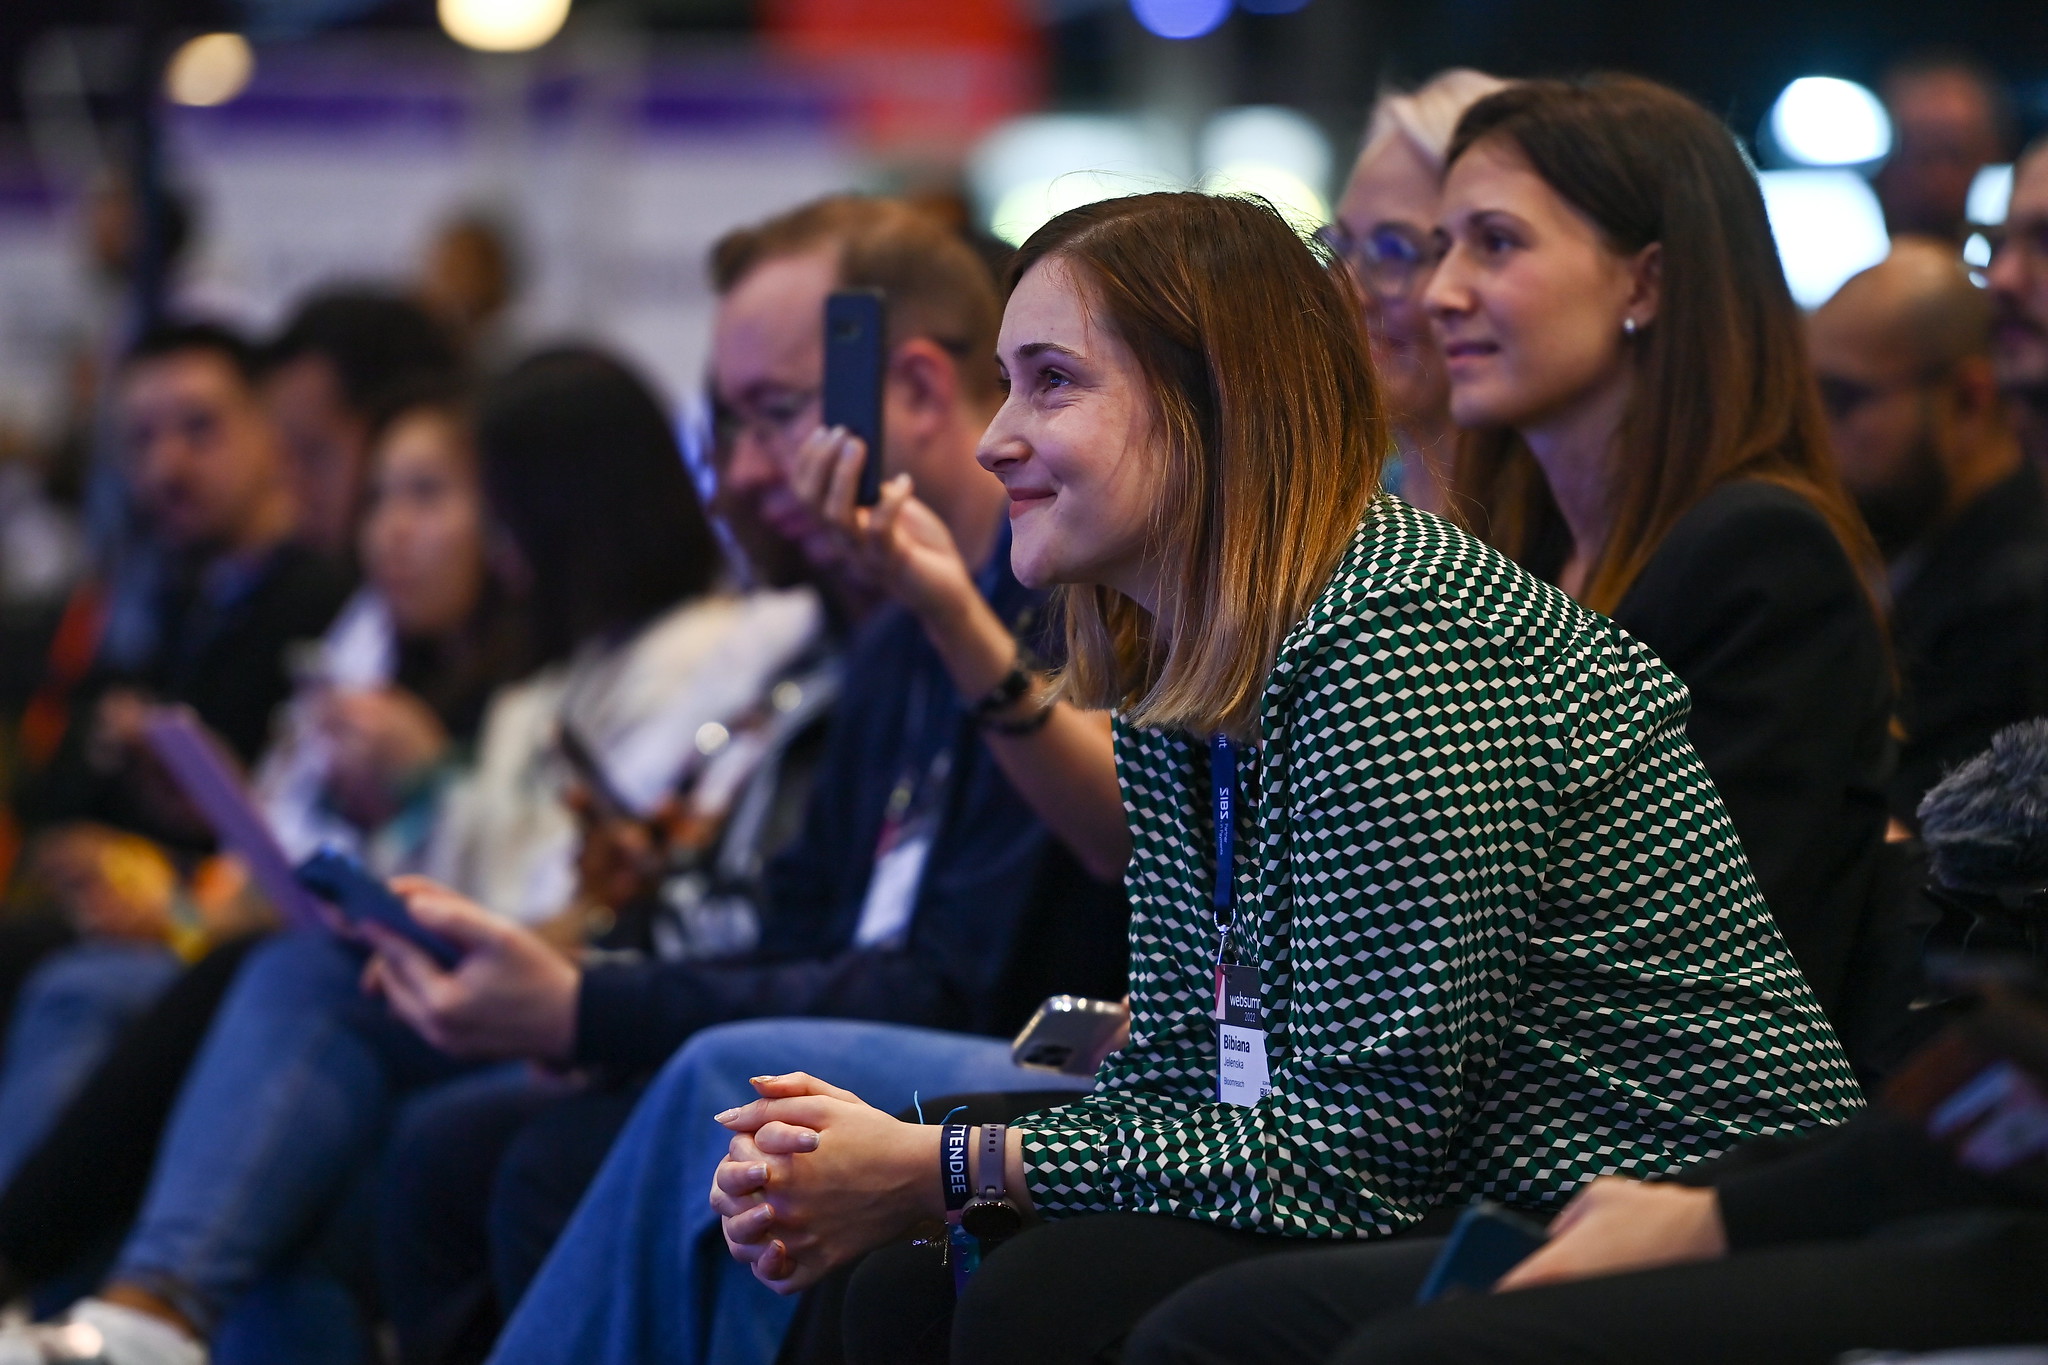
1628	327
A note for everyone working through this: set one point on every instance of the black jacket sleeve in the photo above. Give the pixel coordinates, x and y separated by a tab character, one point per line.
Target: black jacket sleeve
1757	607
1841	1183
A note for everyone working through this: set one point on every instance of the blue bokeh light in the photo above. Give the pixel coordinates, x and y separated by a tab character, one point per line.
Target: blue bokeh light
1180	18
1271	6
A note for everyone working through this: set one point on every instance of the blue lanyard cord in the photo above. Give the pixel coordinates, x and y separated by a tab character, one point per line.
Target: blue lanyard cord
1223	785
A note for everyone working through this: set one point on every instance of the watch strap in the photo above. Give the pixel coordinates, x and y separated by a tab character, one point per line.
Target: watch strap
994	1151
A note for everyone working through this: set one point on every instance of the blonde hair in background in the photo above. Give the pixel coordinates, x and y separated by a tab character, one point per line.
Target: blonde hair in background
1428	115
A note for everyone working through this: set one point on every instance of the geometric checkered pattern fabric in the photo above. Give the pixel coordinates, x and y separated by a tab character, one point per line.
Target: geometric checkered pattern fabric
1508	937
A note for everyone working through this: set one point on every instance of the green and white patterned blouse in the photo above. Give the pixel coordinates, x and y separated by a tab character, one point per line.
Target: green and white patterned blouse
1508	935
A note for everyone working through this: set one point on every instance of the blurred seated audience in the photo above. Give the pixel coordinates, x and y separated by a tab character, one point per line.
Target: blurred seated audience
339	360
1951	117
210	472
2018	281
1385	234
374	735
1903	352
1918	1226
300	1073
941	875
1262	655
1644	431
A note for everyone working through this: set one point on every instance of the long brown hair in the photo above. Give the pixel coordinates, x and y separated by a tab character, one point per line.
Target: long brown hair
1723	388
1270	422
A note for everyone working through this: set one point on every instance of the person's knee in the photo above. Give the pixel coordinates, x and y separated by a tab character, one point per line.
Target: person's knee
750	1047
710	1070
96	979
301	967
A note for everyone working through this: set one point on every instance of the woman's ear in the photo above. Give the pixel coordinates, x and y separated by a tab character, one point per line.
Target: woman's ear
923	380
1646	284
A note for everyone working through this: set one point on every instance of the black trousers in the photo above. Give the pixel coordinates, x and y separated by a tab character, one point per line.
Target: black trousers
1967	1280
1067	1292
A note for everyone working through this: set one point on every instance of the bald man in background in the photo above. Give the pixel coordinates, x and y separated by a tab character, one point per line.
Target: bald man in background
1921	431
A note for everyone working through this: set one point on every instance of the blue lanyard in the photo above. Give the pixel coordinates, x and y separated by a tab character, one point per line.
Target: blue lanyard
1223	786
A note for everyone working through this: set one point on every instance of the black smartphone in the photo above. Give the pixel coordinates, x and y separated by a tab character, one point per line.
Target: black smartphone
347	885
855	357
1487	1243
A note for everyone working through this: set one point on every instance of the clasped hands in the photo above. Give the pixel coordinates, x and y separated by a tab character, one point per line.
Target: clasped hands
814	1177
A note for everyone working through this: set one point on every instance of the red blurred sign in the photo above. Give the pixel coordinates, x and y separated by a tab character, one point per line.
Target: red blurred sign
922	76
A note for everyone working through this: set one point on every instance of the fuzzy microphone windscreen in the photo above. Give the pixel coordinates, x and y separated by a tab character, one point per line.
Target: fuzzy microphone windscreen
1986	824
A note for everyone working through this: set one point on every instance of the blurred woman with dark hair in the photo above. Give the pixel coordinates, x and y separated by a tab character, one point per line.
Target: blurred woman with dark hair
1647	433
1430	899
617	563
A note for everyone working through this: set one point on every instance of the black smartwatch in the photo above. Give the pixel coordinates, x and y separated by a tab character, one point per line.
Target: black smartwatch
990	1216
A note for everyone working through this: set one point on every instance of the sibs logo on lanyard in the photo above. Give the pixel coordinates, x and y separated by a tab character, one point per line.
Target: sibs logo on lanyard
1241	1075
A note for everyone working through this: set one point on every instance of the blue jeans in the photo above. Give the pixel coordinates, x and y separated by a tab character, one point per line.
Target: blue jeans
288	1100
641	1274
70	1011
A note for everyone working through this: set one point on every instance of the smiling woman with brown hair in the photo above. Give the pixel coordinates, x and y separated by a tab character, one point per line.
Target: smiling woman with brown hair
1425	834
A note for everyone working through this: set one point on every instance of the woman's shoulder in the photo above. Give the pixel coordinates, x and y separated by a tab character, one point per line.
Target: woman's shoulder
1418	595
1406	568
1747	534
1747	518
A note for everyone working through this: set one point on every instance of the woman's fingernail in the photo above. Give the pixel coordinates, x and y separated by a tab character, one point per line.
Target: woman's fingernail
807	1142
759	1080
758	1173
726	1117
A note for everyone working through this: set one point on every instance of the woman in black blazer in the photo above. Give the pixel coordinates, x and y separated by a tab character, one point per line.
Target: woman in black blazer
1750	599
1643	427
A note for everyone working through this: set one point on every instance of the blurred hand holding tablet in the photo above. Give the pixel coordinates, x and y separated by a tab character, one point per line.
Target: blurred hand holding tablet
202	768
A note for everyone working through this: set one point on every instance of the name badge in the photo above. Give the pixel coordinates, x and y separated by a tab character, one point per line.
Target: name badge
1241	1076
892	893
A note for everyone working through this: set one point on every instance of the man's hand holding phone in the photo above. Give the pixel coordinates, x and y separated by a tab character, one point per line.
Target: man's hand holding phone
899	544
511	997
